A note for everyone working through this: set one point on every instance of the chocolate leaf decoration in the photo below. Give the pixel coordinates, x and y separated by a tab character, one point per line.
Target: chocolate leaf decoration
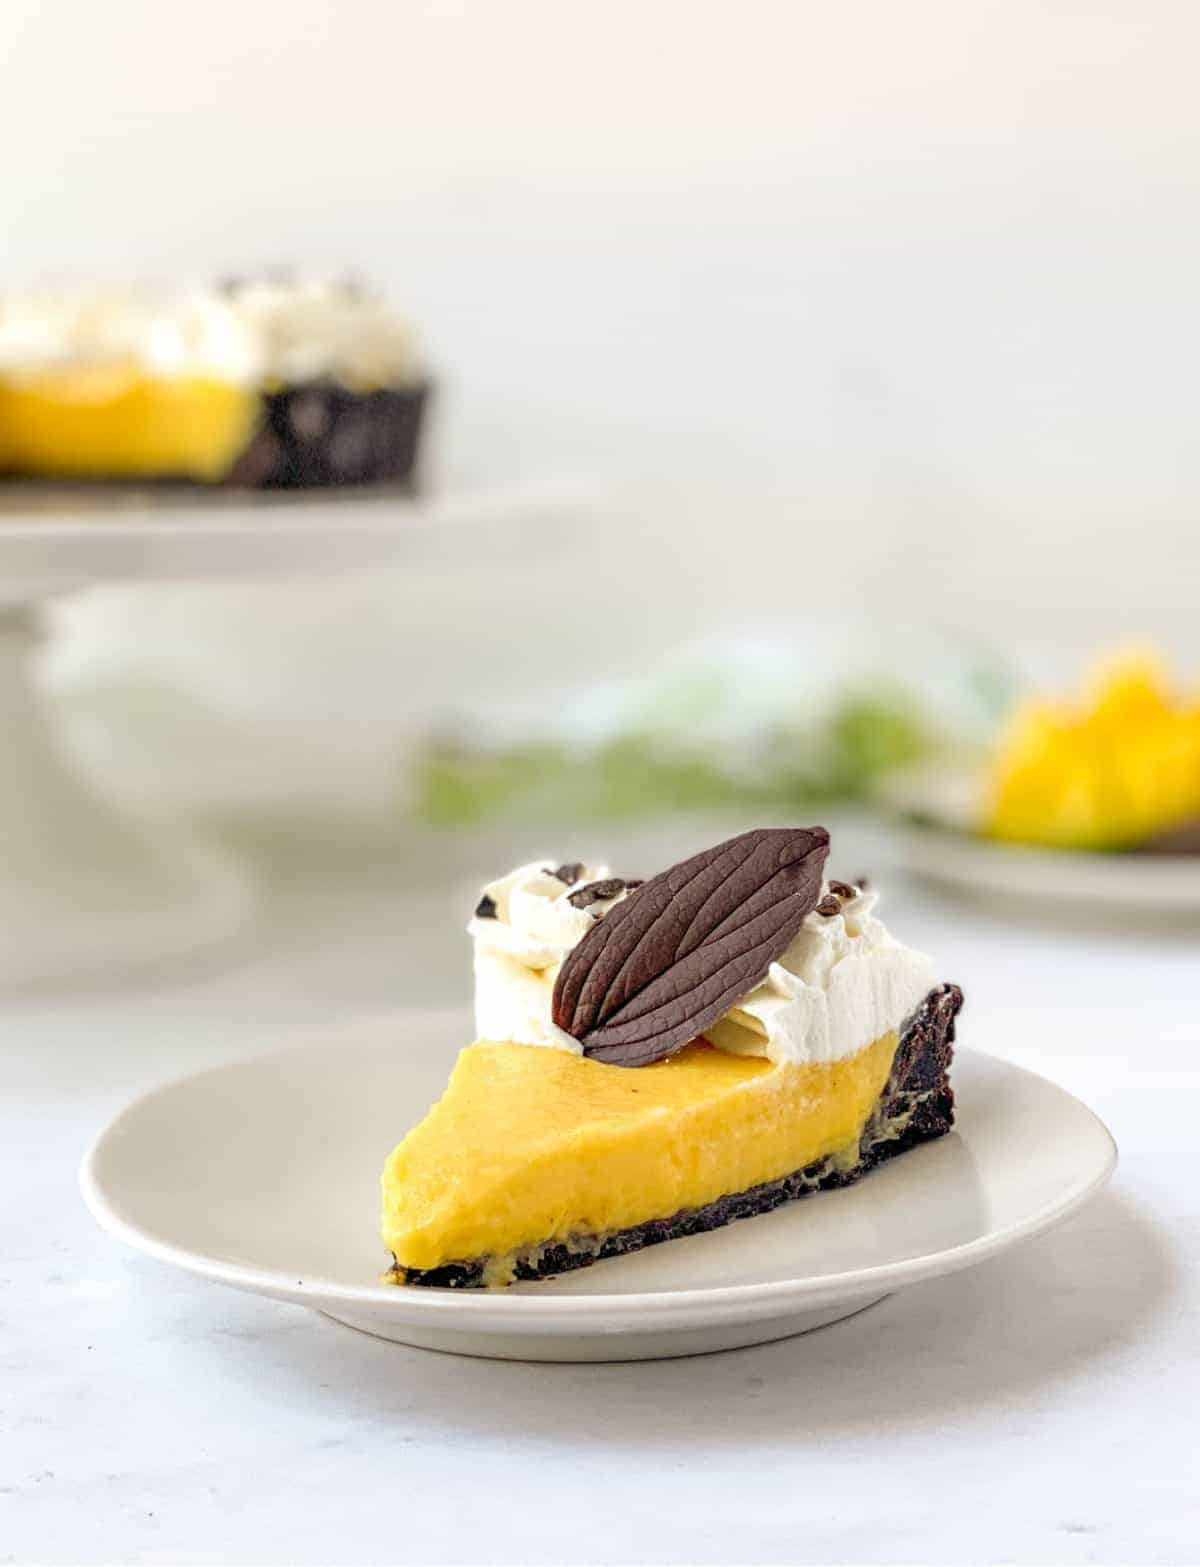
689	943
595	892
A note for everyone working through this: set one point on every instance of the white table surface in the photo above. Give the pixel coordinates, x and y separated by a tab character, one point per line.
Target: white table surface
1042	1407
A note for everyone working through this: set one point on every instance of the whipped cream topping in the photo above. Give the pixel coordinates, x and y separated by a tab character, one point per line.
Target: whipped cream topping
248	333
842	983
192	333
520	949
306	330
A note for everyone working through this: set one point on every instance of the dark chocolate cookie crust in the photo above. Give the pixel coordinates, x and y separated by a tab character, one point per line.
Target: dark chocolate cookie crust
322	434
916	1105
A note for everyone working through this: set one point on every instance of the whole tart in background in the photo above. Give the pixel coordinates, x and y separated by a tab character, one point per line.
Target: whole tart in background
266	384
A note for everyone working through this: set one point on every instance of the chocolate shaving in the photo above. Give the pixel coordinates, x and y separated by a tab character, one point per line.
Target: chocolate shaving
828	907
843	889
596	892
568	873
485	909
674	956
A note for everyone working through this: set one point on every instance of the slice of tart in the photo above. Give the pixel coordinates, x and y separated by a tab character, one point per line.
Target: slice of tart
660	1058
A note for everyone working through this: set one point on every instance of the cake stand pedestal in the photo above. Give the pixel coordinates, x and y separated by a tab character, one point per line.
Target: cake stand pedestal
89	890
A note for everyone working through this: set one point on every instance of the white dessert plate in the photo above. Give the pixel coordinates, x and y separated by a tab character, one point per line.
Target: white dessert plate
264	1174
1106	885
937	809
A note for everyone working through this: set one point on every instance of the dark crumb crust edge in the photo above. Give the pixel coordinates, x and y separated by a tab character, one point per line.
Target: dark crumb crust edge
319	434
916	1105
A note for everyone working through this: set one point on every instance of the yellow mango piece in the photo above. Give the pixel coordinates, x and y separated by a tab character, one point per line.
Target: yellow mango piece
1108	772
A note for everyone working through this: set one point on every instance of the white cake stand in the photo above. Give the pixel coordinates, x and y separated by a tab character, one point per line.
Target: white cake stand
88	891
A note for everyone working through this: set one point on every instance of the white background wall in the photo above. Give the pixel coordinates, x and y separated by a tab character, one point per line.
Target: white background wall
871	304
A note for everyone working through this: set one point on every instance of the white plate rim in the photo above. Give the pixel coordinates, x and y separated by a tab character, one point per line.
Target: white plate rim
500	1309
1152	886
1046	856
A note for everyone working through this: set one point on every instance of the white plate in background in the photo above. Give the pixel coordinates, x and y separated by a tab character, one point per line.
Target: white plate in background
1114	885
264	1175
937	807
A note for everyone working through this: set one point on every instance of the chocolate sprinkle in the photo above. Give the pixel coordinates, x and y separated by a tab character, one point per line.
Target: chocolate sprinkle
676	955
596	892
485	909
843	889
568	873
828	907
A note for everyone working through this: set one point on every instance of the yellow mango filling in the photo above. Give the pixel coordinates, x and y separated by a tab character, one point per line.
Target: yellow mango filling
1108	772
116	421
531	1146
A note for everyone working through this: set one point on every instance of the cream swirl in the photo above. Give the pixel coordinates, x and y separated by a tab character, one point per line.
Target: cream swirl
265	332
520	947
117	328
842	983
308	329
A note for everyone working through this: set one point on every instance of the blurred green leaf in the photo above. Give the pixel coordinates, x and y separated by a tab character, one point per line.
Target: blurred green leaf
641	773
